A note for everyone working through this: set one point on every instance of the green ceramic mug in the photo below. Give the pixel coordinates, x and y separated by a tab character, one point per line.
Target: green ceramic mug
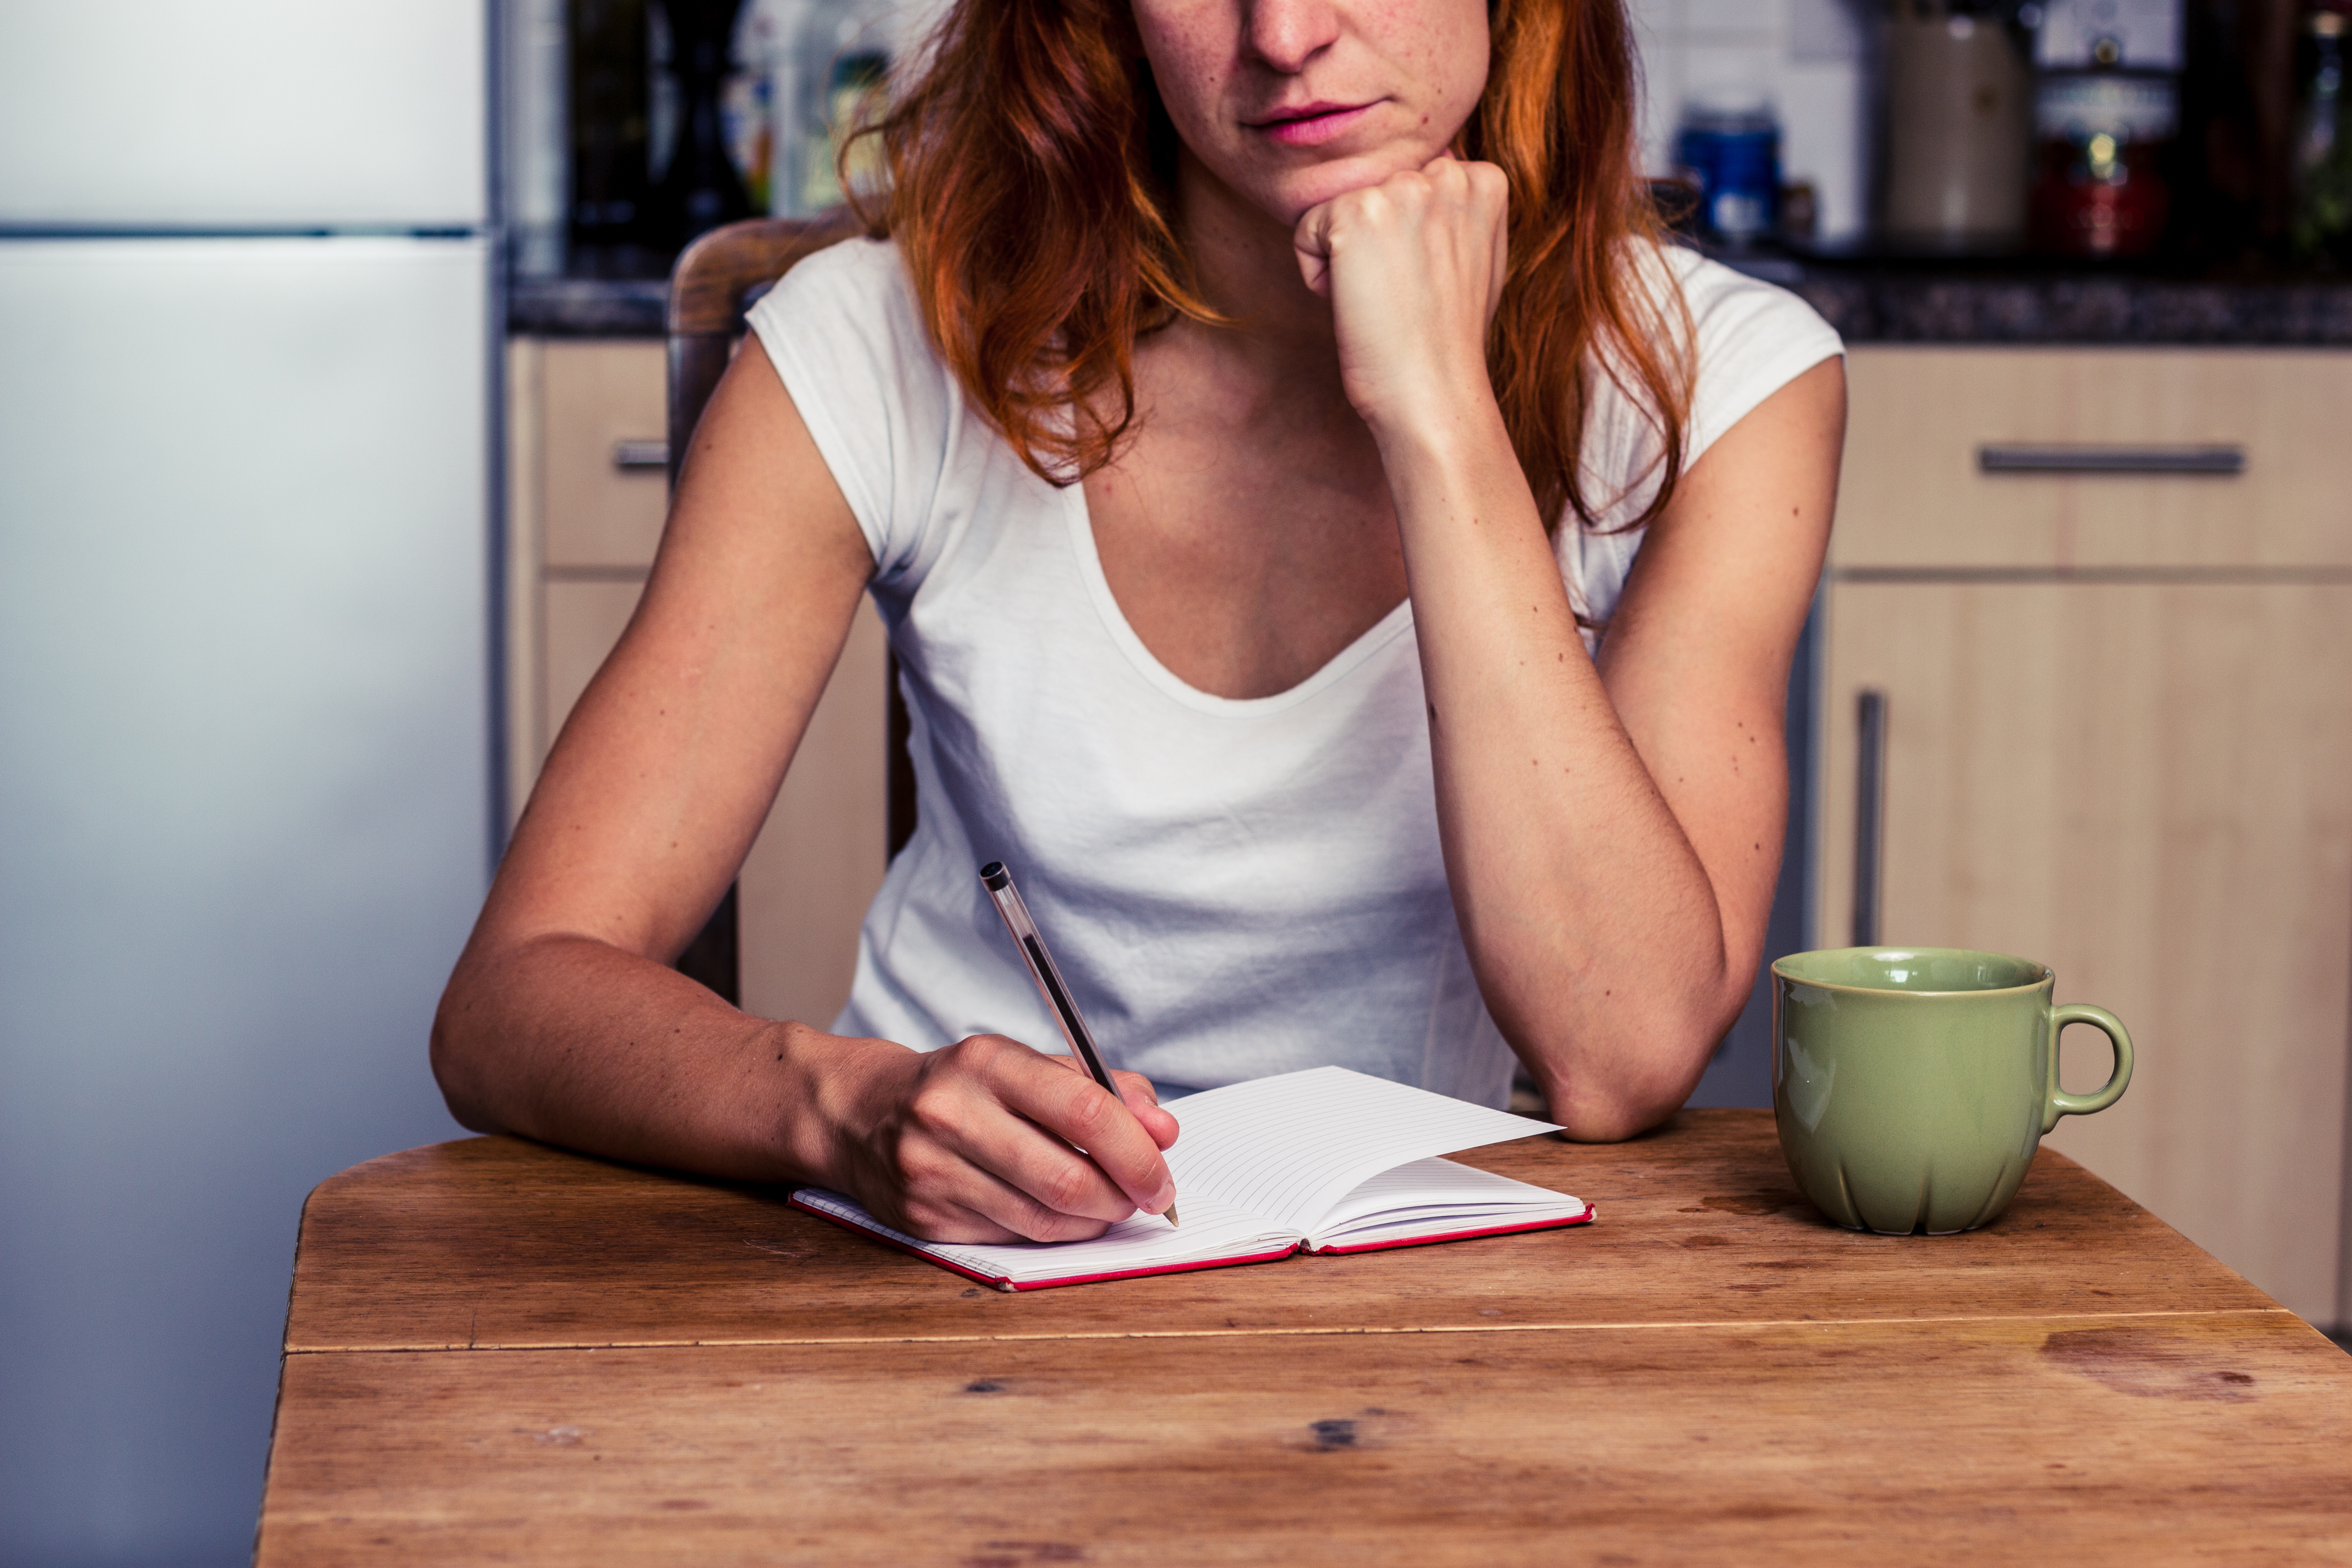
1913	1085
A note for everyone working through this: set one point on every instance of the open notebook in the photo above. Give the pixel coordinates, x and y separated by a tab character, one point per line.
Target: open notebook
1327	1160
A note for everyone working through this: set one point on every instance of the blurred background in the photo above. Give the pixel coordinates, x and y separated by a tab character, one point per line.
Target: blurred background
331	459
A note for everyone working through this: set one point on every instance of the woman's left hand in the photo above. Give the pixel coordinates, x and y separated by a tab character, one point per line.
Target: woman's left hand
1413	268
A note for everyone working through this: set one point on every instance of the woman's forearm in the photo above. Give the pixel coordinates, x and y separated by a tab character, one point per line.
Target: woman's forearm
1597	933
574	1042
578	1042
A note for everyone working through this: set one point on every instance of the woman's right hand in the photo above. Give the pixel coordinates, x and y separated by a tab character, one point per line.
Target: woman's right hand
1413	268
980	1141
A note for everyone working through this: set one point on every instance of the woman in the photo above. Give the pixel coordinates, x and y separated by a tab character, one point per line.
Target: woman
1246	433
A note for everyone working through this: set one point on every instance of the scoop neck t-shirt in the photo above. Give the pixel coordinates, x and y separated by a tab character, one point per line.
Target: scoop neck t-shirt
1231	887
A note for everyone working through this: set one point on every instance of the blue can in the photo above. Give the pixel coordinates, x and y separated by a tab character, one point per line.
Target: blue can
1734	157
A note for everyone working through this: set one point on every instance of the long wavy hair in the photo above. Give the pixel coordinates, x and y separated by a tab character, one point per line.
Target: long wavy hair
1031	188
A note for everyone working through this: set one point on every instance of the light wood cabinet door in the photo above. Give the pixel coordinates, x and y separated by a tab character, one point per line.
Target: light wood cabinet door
607	477
582	528
2148	787
819	860
1915	496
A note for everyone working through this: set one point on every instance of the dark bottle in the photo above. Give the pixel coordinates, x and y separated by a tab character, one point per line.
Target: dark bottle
700	189
2100	139
611	122
2321	228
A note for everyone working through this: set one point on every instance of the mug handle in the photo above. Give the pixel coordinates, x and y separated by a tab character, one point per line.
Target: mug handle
2064	1104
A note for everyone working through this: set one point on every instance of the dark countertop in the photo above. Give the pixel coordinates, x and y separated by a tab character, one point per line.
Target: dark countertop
586	306
1912	302
1867	302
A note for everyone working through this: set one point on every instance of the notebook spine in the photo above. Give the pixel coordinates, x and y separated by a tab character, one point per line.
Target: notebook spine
1584	1218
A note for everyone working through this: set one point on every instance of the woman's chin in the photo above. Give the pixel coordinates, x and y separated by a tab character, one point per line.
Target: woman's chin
1288	191
1300	192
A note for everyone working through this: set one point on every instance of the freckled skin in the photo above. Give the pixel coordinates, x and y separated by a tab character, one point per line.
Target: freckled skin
1421	64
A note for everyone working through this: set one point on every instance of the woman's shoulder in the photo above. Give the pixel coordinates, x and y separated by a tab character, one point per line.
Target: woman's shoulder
1744	340
844	330
858	282
844	336
1749	338
1730	309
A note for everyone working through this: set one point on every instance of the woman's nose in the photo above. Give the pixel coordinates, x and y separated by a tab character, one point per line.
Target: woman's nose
1286	34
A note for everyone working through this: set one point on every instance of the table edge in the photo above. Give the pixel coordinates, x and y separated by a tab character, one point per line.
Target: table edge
1302	1330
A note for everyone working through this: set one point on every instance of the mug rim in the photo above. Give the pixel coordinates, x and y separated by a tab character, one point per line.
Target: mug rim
2046	975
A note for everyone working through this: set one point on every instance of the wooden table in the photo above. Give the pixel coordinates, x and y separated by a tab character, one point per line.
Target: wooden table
500	1351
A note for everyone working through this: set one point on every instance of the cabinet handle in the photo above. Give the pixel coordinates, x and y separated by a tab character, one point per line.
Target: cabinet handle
1869	813
631	455
2230	458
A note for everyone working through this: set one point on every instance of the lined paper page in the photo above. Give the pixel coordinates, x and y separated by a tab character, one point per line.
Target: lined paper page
1211	1230
1290	1147
1438	1195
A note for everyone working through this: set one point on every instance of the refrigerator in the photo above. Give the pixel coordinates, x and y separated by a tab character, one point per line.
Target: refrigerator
248	320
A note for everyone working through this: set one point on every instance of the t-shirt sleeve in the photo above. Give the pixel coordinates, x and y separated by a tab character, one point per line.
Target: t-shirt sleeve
1753	339
843	332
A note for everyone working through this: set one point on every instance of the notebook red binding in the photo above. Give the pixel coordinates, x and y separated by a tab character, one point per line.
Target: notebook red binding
1584	1218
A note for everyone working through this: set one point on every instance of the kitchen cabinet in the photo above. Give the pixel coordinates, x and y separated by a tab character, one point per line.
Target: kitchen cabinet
2117	737
587	492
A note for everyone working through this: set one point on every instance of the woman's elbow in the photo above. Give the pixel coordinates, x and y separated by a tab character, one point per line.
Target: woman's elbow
457	1055
1606	1112
1607	1097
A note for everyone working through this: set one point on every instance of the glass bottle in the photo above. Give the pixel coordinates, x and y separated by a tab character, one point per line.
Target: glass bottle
2322	225
700	187
844	60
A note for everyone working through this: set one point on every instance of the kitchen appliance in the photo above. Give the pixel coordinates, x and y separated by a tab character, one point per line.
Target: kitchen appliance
246	812
1959	110
2109	35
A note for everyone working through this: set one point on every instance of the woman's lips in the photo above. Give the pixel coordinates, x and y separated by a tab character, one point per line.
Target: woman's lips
1312	124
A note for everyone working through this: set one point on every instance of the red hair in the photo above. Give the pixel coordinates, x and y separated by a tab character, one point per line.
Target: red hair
1031	190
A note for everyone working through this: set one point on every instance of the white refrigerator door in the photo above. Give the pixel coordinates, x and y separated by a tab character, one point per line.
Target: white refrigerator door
243	114
244	825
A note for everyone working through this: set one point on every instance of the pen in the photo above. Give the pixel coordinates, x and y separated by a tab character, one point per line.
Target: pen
999	882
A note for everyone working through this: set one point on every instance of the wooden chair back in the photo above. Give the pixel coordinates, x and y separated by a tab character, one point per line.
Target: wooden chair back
716	281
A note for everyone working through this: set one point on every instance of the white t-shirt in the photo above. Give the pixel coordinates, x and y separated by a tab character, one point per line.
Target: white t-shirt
1232	888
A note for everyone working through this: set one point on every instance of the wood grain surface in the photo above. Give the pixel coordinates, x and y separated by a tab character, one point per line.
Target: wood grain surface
2213	1438
497	1243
